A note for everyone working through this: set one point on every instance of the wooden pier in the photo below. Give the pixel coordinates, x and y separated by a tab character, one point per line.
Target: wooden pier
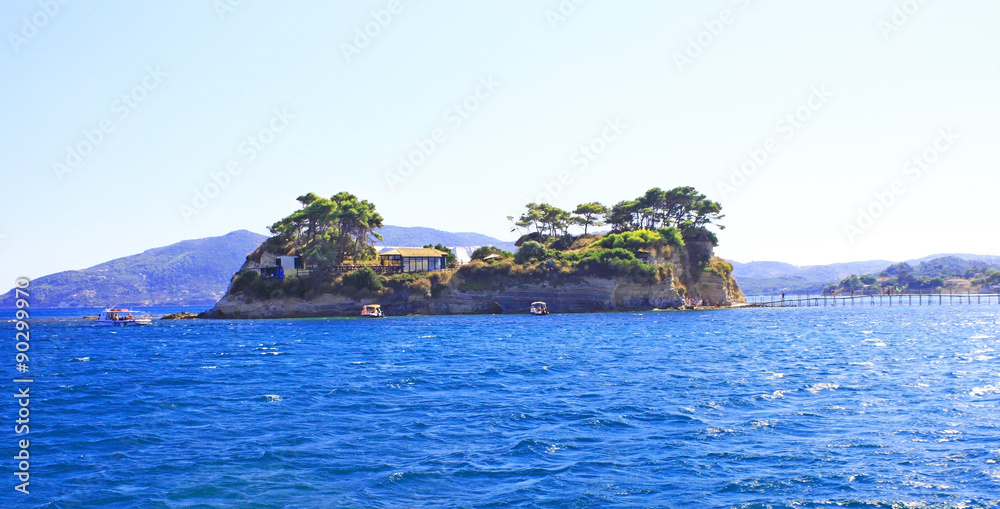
898	299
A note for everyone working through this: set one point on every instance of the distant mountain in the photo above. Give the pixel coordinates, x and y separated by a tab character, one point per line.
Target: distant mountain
772	278
188	273
987	259
197	272
952	266
809	272
416	236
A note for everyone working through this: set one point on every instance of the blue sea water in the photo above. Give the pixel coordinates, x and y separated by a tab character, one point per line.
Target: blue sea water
808	407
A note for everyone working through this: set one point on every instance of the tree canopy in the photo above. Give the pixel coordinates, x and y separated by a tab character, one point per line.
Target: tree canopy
683	208
328	231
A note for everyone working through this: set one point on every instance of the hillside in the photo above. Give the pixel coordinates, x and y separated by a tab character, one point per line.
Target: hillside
949	272
771	278
189	273
416	236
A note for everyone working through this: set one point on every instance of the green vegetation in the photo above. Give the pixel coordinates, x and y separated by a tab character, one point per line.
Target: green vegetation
484	251
643	230
932	275
658	226
363	278
589	214
681	208
325	232
642	239
531	251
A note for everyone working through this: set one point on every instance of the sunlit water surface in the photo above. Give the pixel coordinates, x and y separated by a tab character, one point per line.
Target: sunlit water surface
819	407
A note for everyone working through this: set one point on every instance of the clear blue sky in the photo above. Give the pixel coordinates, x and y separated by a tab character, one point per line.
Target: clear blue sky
198	81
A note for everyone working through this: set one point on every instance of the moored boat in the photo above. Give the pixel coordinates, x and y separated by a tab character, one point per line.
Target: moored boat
120	317
372	311
539	309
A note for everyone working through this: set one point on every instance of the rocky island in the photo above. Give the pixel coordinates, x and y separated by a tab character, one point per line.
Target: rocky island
321	261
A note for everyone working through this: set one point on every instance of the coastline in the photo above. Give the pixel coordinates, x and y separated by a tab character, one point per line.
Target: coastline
583	295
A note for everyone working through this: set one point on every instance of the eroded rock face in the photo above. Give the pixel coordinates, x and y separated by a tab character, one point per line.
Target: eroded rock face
588	295
584	294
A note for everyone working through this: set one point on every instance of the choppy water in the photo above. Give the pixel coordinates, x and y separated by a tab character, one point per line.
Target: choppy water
854	407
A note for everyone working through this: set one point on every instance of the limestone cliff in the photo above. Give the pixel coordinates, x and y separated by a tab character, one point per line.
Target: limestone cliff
710	280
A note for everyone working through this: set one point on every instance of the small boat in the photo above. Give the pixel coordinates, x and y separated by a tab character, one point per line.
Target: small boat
539	309
372	311
120	317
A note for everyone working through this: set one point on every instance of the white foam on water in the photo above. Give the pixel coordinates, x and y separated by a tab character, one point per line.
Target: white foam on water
719	431
82	359
986	389
209	367
815	389
272	398
866	363
774	395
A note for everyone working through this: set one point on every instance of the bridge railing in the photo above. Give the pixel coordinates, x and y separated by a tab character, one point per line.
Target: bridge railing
887	299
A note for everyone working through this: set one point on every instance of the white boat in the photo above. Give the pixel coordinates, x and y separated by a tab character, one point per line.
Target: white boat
539	309
372	311
121	317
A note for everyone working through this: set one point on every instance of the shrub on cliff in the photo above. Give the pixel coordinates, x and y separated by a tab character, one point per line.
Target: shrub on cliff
363	278
672	236
530	251
642	239
421	287
484	251
400	281
245	282
724	269
617	262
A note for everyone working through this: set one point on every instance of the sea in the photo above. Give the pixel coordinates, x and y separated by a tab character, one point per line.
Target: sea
872	407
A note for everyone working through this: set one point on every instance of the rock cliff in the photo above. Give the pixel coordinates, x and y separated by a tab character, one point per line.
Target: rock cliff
711	281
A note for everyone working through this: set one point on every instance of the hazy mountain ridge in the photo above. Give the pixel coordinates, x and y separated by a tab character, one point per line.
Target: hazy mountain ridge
197	272
766	278
191	272
194	272
418	236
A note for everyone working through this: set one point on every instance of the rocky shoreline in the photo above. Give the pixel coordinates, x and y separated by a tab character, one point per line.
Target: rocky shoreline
583	296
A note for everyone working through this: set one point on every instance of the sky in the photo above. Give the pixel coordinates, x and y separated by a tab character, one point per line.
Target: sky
829	131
